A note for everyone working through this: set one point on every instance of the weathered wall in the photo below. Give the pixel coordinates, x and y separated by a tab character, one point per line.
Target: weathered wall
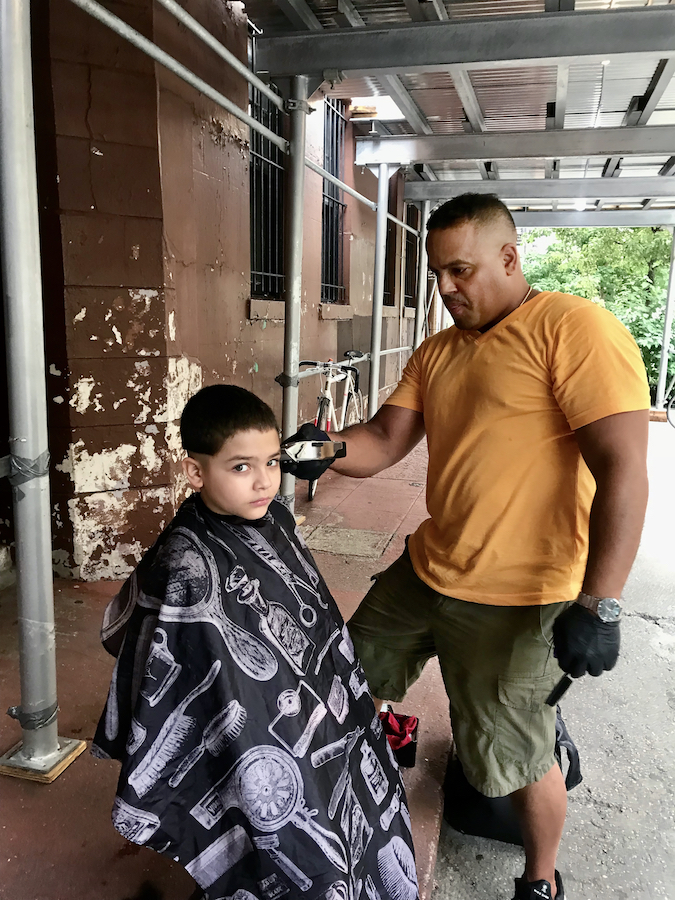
144	195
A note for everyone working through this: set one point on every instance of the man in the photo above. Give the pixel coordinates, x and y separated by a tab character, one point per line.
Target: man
535	408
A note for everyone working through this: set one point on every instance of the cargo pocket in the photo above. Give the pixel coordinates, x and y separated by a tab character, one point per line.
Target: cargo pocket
525	726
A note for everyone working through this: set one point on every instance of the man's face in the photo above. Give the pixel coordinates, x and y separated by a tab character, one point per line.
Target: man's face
242	478
472	265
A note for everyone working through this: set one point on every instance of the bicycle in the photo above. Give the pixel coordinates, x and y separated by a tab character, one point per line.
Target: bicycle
351	407
670	402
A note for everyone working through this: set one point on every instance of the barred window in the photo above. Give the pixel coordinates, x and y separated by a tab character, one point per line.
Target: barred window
267	202
332	274
411	250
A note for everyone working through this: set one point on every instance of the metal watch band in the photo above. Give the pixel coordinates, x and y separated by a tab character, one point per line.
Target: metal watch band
593	604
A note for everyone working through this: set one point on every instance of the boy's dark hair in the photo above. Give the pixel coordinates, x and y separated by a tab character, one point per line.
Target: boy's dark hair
217	413
479	208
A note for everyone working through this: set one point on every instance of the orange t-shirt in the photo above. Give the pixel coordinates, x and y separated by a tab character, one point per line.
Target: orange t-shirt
508	492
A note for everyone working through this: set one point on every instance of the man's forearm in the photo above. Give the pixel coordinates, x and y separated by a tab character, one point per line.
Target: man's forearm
378	444
617	516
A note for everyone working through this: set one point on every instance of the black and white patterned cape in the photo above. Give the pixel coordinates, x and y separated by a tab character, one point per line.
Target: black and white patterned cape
250	747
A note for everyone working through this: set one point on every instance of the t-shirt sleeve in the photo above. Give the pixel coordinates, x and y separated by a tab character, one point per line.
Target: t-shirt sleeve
408	393
597	368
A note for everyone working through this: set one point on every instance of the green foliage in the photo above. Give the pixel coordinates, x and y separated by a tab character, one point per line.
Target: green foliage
624	269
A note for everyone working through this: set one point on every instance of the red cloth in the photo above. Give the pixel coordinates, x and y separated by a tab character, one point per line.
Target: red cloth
399	729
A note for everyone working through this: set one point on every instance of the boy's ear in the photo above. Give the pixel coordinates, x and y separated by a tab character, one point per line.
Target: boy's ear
193	472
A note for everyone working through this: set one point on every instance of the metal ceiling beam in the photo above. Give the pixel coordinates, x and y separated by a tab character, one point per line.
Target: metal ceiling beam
414	115
299	12
406	149
300	15
467	97
475	43
347	11
641	107
657	86
546	189
562	84
605	218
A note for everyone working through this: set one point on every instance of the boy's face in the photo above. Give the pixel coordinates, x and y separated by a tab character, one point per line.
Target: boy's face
242	478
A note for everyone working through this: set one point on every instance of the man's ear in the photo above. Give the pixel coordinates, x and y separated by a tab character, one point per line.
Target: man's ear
510	257
192	470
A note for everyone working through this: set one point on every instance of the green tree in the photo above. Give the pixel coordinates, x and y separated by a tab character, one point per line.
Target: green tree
624	269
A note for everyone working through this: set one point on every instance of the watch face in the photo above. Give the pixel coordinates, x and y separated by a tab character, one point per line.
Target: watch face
609	610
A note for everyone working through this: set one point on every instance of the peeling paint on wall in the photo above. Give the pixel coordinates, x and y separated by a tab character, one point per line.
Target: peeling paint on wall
81	398
98	522
184	378
103	471
172	326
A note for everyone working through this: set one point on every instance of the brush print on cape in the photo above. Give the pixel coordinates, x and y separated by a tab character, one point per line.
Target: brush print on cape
250	747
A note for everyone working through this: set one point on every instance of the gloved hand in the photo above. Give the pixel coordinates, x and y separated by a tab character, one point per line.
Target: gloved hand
582	643
311	469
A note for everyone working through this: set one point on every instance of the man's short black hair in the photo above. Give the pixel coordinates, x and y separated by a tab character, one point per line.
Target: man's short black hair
479	208
217	413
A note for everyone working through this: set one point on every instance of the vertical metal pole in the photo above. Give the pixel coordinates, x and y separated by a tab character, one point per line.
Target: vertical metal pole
422	267
27	388
378	287
667	332
295	167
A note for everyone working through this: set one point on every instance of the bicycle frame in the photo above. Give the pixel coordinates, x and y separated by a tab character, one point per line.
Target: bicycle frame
333	375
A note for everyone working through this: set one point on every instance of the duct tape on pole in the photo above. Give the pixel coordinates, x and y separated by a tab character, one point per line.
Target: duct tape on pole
423	265
41	755
295	168
378	287
667	332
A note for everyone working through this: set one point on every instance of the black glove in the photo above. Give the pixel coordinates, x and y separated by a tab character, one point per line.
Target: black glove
582	643
311	469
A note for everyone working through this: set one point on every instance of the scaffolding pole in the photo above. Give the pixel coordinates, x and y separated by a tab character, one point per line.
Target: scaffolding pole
41	755
422	266
378	287
295	168
667	332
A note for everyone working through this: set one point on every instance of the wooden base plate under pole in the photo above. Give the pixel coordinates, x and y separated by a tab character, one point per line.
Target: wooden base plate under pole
13	762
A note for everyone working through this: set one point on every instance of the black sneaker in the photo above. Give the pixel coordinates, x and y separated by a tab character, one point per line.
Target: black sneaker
538	890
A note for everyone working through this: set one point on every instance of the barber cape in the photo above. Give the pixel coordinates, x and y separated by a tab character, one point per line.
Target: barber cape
250	747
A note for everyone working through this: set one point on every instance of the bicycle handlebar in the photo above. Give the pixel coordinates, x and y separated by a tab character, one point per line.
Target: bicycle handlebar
322	364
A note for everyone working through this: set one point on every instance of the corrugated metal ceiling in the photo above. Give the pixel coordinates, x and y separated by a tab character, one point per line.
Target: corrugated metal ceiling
511	98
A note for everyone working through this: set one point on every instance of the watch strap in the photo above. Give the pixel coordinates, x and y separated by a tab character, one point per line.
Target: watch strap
591	603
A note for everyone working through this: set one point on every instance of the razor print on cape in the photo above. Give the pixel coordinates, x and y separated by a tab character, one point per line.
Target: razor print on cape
266	785
268	555
200	600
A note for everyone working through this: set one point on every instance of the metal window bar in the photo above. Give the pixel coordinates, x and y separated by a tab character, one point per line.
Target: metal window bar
411	242
266	202
332	273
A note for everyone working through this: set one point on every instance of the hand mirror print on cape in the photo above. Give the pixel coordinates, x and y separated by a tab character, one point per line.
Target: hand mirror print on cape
193	595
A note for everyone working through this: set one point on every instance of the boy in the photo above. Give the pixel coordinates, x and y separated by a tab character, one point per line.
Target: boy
250	747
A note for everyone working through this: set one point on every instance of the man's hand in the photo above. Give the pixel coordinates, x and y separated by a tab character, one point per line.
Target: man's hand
308	470
582	643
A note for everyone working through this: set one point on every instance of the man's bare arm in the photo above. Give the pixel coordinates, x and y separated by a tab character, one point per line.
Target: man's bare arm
389	436
615	450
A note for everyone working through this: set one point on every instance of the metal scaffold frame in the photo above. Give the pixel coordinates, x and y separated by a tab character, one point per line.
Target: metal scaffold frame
42	754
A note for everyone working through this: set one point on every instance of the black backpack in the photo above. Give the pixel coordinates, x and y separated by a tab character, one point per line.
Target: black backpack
470	812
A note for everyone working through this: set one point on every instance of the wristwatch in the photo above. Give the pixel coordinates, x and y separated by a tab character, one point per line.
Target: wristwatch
607	609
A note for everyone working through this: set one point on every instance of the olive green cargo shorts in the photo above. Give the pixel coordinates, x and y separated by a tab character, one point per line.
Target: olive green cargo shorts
497	664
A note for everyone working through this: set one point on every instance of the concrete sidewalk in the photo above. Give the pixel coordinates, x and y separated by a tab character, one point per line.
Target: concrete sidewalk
56	841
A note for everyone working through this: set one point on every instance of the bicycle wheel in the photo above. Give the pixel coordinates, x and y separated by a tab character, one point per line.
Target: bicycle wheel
354	410
322	423
670	411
